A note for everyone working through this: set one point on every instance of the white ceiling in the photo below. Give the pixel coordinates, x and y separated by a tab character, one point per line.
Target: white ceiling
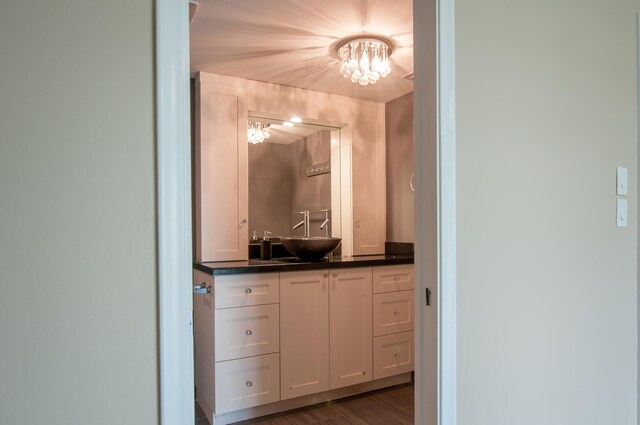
287	42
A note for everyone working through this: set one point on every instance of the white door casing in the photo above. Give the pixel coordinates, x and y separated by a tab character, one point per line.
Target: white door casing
434	59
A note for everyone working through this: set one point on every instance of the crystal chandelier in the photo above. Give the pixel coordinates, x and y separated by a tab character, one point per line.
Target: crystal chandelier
365	60
257	132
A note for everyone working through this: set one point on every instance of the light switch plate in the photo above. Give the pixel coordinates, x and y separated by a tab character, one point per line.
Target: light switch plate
622	181
621	213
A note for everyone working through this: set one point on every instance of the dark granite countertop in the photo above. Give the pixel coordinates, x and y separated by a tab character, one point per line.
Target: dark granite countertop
295	264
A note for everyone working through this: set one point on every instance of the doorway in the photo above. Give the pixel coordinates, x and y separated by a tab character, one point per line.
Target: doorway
174	227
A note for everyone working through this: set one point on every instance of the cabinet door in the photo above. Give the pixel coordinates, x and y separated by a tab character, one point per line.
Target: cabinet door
304	333
221	178
350	327
368	179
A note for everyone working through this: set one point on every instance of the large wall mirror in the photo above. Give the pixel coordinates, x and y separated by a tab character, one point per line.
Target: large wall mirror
293	167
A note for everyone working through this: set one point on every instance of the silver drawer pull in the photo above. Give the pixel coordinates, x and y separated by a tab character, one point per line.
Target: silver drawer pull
249	332
249	384
248	290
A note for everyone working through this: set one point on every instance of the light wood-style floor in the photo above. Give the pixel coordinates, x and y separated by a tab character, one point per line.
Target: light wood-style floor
390	406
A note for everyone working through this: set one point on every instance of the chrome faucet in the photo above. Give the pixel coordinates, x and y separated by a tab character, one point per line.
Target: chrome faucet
304	222
325	223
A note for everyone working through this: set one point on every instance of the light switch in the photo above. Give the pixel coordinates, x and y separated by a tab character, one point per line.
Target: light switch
622	181
621	213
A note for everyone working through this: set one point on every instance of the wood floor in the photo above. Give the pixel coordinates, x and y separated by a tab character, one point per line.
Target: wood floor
390	406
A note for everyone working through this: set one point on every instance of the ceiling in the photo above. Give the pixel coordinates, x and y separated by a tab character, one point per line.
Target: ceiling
288	42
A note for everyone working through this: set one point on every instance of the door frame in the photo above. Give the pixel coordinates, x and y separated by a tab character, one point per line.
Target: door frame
173	197
435	264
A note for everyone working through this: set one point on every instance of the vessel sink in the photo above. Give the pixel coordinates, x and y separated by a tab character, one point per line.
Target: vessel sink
313	248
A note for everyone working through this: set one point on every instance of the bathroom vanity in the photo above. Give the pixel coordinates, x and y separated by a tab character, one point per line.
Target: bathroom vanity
280	334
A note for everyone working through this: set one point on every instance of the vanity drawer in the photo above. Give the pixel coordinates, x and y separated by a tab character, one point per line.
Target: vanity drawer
247	382
392	354
392	312
392	278
242	290
247	331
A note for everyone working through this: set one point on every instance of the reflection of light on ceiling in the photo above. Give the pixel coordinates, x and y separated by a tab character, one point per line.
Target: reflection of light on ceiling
287	42
288	124
296	119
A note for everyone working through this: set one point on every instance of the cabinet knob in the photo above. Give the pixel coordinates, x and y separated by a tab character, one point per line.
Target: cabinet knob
248	290
249	384
396	355
249	332
396	313
243	222
325	274
396	278
335	275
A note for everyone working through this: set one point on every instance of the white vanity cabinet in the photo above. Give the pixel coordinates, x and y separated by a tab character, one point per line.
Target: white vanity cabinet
368	178
269	342
237	342
393	320
221	164
325	329
350	326
304	329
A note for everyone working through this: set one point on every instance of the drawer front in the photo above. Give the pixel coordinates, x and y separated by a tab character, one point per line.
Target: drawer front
245	383
247	331
242	290
392	278
392	312
392	354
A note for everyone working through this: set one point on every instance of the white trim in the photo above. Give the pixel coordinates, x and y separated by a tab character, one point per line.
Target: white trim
637	218
447	280
434	167
174	213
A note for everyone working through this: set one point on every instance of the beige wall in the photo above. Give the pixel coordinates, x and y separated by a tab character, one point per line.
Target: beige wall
546	109
77	213
399	167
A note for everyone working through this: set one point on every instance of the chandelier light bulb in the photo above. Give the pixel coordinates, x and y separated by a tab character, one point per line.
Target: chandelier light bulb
365	60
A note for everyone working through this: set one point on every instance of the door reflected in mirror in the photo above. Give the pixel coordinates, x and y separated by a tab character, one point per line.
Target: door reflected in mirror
289	173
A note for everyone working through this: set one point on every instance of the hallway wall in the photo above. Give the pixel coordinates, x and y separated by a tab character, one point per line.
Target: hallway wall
78	318
547	294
